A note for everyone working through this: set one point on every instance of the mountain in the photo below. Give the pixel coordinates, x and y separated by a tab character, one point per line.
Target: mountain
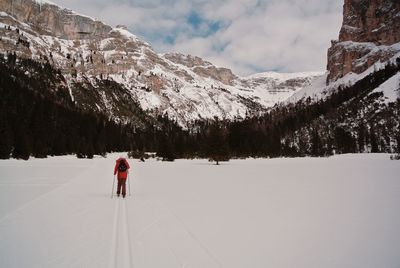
355	106
370	33
71	84
88	52
369	39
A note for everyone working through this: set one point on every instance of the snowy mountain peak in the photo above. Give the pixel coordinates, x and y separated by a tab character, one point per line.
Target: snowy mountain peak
87	51
283	76
45	2
186	60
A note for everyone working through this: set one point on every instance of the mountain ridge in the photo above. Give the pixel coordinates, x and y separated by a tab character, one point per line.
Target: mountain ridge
184	87
113	92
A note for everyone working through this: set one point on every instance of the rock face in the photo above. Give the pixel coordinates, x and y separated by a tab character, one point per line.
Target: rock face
87	52
370	32
50	19
203	68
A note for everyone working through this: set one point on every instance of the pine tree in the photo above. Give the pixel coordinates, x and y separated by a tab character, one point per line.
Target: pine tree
82	148
100	143
60	144
165	148
217	144
316	145
361	138
90	150
22	145
5	139
40	129
374	141
345	143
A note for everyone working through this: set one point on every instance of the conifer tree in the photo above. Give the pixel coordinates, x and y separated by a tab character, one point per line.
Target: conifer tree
361	138
5	139
22	145
374	141
90	150
217	143
316	145
165	147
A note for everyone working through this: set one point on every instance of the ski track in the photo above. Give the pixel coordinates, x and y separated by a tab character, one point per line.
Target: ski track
168	246
78	217
145	229
120	251
114	237
121	247
190	234
45	195
126	237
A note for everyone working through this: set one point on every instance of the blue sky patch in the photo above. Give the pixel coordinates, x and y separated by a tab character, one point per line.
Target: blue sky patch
201	26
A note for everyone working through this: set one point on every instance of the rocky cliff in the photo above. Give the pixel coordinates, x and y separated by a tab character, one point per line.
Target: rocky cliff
48	18
87	52
370	33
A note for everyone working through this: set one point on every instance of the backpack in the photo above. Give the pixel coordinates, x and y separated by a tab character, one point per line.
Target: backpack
122	166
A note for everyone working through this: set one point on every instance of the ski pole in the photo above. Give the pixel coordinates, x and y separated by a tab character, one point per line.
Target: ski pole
129	184
112	190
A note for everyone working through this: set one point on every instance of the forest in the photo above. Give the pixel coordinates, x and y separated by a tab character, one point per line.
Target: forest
39	119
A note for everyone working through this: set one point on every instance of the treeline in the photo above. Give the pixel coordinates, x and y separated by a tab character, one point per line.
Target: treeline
38	118
350	120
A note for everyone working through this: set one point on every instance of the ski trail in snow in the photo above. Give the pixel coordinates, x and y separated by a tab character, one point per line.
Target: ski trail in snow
170	249
191	234
120	251
45	195
145	229
114	237
127	258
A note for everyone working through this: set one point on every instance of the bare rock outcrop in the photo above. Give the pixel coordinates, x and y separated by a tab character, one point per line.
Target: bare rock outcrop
370	32
203	68
49	18
89	53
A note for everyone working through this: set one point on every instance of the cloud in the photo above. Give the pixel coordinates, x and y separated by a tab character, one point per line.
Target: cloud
247	36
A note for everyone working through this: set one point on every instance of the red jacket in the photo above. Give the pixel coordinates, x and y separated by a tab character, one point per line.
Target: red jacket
121	174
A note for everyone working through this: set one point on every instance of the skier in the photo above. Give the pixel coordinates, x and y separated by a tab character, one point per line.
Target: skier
121	167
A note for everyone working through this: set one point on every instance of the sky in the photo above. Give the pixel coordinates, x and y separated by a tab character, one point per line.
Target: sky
247	36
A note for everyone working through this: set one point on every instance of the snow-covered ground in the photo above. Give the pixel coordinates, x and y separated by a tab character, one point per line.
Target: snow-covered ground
282	213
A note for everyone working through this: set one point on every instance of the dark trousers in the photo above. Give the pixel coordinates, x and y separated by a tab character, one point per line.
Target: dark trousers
121	184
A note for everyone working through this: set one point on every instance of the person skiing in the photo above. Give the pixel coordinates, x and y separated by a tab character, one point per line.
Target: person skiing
122	168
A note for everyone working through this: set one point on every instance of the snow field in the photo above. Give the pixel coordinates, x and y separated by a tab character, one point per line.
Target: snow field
311	212
390	89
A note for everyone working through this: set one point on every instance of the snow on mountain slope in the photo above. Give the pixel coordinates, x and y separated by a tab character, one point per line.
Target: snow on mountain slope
390	89
283	76
185	87
369	39
280	86
370	33
319	89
